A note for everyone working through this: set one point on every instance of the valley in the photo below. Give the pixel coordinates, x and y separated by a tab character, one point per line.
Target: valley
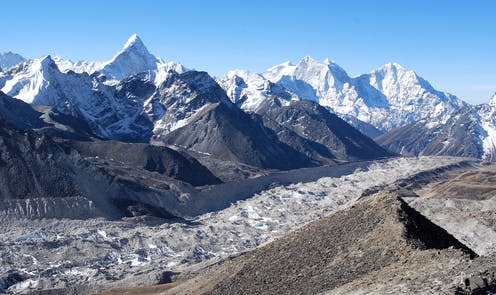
62	253
139	175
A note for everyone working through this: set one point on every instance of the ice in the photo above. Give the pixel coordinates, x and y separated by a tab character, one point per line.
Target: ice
94	244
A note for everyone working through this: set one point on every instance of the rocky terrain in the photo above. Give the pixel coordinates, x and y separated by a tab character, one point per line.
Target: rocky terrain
379	244
136	175
139	251
380	231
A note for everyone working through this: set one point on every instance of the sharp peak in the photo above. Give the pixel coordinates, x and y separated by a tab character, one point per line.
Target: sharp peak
492	100
394	65
308	58
46	59
327	62
133	41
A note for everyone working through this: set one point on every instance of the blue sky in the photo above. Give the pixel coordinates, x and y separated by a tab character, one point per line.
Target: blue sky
450	43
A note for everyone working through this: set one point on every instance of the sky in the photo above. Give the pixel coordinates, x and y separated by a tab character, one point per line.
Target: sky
452	44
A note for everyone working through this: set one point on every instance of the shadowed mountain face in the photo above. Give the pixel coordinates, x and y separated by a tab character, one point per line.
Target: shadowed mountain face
316	132
42	178
159	159
23	116
224	131
371	235
33	165
460	136
161	106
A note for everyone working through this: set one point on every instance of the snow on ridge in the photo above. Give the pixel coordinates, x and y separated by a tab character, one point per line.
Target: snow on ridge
133	40
250	90
10	59
132	59
388	97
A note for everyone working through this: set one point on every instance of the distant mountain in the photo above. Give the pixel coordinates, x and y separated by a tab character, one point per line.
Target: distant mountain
40	82
315	131
302	124
132	59
136	97
250	91
470	132
10	59
386	98
66	65
151	106
460	136
224	131
374	103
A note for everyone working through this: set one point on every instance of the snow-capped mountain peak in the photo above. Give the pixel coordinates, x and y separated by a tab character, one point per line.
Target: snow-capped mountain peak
134	40
10	59
82	66
27	80
492	101
132	59
388	97
250	90
396	73
47	61
310	79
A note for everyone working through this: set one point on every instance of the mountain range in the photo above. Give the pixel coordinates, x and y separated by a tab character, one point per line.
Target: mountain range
301	111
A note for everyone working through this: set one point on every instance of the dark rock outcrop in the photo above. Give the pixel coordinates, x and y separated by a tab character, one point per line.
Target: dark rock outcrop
224	131
459	136
315	131
159	159
338	249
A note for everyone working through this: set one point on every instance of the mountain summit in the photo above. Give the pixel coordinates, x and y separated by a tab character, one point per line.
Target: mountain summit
132	59
10	59
387	98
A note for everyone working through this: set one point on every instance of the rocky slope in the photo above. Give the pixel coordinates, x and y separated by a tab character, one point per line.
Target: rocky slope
24	116
469	132
42	178
373	235
224	131
33	165
460	136
159	159
141	250
316	132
